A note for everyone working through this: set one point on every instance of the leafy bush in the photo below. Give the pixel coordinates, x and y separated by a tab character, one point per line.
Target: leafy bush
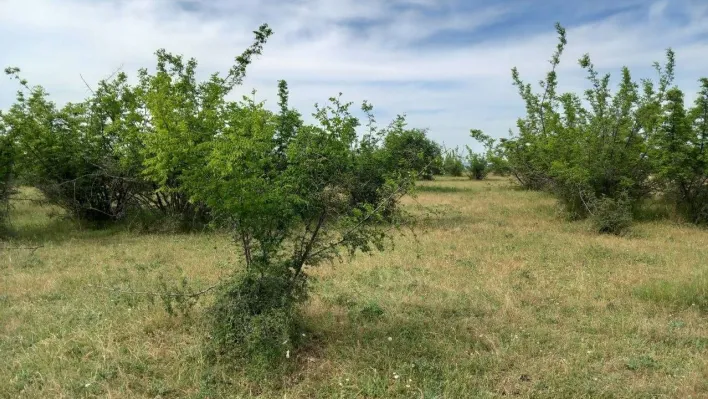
80	156
410	149
125	146
612	148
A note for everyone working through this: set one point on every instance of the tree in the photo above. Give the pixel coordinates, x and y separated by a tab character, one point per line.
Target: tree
79	156
588	156
7	162
290	218
679	153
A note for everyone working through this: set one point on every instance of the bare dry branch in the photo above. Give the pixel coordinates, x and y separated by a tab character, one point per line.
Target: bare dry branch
32	249
162	294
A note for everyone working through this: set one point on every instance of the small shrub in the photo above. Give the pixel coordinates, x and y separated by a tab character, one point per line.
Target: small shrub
641	362
254	319
371	311
477	167
612	216
492	161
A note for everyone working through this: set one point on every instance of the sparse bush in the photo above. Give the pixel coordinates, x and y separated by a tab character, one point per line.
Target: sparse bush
612	216
452	163
477	166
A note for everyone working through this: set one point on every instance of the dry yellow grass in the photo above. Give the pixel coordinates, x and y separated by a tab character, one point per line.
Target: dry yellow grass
498	297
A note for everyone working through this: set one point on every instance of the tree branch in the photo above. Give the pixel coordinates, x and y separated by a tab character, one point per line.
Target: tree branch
32	249
162	294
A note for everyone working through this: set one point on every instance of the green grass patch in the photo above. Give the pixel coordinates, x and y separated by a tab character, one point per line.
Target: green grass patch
496	297
678	294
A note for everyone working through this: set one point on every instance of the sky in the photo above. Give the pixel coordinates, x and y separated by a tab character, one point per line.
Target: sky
446	64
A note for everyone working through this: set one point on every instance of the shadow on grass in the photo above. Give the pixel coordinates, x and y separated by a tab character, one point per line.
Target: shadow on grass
653	210
44	224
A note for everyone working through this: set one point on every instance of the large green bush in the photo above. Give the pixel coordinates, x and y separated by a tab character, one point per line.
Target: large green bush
291	204
410	149
617	147
81	156
126	146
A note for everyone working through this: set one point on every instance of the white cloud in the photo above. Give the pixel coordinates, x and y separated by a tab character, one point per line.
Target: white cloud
449	88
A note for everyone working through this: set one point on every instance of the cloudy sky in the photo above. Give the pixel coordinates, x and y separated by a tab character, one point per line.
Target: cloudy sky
445	63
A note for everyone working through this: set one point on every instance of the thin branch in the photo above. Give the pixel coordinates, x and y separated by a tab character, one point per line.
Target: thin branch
27	199
580	193
162	294
111	76
400	191
32	249
86	84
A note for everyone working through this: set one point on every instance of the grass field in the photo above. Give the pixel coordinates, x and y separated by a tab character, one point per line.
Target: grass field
498	297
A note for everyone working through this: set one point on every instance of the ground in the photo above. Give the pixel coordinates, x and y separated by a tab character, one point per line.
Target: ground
498	296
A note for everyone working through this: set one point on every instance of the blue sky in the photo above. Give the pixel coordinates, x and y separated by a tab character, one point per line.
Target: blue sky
445	63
